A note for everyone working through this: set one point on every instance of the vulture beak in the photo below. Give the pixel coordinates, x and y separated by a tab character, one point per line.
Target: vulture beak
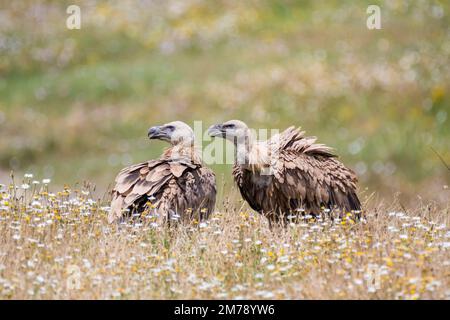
156	132
216	130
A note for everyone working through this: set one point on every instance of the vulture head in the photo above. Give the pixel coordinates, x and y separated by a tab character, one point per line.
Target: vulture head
233	130
175	133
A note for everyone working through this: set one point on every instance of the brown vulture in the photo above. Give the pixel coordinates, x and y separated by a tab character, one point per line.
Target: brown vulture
288	174
175	186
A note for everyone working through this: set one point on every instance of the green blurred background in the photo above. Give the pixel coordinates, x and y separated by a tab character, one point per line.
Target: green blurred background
75	105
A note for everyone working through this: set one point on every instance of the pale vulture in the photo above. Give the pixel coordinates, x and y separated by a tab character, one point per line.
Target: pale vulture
174	187
288	173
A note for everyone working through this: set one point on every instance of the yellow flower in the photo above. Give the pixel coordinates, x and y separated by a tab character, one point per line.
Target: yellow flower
437	93
388	261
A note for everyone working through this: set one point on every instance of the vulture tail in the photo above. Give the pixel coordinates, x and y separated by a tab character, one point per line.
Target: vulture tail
354	201
349	202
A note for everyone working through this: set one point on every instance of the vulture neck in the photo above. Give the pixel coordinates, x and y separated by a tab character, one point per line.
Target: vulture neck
252	155
183	152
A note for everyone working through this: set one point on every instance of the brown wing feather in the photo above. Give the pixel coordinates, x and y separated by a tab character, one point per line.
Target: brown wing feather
324	181
177	169
305	175
169	182
199	194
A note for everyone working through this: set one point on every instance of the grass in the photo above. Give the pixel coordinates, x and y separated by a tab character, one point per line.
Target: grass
75	106
58	245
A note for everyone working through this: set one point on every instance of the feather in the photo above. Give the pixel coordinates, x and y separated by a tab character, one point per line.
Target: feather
157	172
116	207
142	187
129	199
177	169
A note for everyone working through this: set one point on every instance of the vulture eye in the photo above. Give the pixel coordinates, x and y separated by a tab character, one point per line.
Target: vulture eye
170	128
229	126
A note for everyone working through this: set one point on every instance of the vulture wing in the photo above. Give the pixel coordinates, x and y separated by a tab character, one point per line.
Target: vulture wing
197	193
303	175
310	175
176	187
313	182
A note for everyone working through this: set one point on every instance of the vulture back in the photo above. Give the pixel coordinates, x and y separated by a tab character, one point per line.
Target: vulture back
166	188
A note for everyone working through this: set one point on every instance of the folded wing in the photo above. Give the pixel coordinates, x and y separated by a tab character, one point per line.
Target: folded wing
173	187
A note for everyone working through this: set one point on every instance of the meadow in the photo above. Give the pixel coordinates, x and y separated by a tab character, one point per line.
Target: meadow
58	245
75	106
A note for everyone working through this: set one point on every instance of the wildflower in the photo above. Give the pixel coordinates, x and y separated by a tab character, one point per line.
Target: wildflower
25	186
87	264
371	289
46	181
40	279
268	295
392	229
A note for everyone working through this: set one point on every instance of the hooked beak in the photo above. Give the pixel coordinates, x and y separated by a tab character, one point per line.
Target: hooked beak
216	131
156	132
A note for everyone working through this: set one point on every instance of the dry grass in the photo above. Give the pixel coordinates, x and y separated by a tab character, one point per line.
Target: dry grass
47	236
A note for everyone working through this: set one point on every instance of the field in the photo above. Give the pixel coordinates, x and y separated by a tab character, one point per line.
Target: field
60	246
75	106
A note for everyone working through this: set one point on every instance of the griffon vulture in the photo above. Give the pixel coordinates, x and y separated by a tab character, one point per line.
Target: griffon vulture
288	173
175	186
